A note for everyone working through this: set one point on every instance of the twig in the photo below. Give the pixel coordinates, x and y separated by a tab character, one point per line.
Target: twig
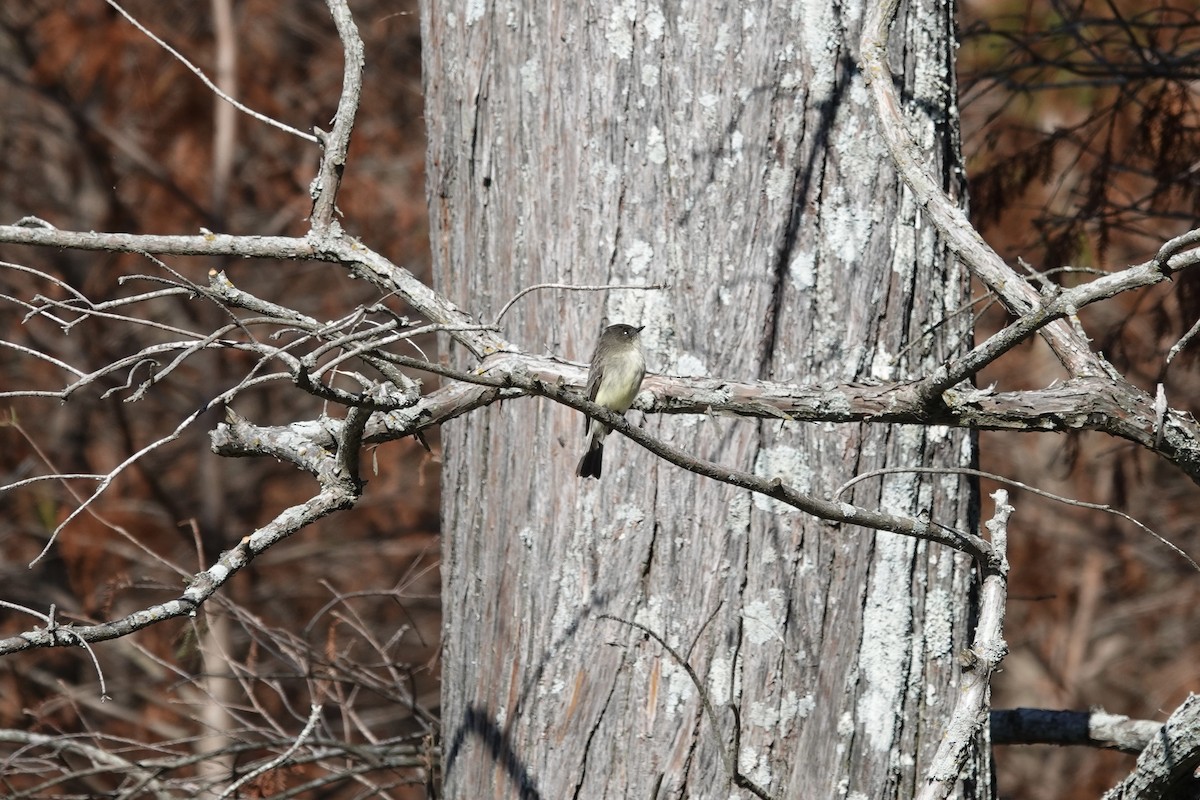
1090	728
773	487
120	529
573	288
978	663
205	79
1166	769
336	144
201	587
950	220
112	475
314	717
730	756
975	473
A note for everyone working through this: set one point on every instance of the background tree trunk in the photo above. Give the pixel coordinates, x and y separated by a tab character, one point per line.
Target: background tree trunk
730	154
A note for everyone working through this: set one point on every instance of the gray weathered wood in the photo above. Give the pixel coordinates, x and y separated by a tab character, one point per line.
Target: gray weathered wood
729	152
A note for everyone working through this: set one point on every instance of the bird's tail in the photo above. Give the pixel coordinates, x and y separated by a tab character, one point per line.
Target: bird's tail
589	465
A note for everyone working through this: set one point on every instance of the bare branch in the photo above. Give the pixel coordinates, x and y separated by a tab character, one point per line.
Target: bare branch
334	498
336	144
956	230
205	79
1167	767
772	487
112	475
332	246
314	716
572	288
1024	487
1089	728
987	650
103	759
1102	404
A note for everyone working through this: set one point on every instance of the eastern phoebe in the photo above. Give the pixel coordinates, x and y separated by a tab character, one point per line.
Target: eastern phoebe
618	366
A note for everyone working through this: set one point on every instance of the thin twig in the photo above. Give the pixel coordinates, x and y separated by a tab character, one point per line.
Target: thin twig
314	716
207	82
987	650
729	758
975	473
569	287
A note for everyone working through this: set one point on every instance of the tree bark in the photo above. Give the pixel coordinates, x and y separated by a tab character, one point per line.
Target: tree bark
732	155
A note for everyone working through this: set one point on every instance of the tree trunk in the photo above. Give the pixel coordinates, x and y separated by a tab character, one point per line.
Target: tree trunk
732	155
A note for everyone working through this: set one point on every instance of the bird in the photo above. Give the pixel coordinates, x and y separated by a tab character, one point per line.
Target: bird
614	380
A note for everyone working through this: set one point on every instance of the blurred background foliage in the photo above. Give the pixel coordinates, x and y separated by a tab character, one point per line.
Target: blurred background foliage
1081	137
